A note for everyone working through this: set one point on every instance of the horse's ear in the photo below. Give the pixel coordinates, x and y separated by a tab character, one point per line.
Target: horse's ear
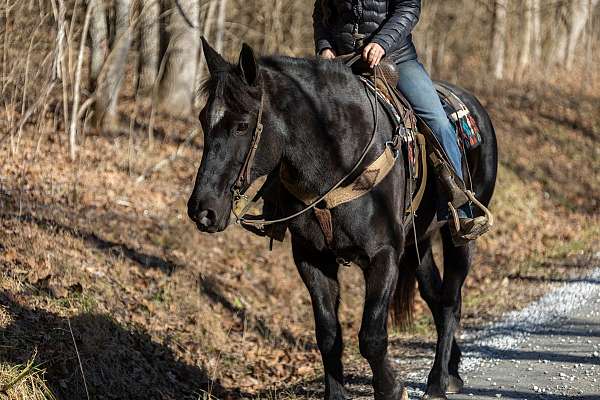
214	61
247	66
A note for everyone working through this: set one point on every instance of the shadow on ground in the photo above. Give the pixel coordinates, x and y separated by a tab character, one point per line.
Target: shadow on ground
118	363
102	244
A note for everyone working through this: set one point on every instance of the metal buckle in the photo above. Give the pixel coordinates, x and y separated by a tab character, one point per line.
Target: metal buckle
392	145
237	196
405	133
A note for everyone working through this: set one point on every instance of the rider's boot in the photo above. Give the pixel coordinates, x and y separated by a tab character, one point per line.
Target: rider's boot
463	226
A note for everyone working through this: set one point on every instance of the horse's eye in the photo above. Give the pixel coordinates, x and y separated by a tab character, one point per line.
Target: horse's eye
242	128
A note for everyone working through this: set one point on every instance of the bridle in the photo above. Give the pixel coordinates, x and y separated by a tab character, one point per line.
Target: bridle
242	189
242	182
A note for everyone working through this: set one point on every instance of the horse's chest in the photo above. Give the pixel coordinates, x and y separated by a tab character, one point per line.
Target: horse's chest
351	232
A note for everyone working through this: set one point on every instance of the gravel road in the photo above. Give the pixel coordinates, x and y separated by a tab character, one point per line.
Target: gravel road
550	350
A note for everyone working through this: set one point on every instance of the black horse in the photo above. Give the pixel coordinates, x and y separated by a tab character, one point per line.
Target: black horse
318	119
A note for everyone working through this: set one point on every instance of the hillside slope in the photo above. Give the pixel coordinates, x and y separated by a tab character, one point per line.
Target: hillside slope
159	310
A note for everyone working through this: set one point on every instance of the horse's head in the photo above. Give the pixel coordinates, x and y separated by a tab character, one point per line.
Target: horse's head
231	122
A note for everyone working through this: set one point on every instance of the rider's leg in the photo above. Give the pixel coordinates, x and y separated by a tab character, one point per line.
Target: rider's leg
417	87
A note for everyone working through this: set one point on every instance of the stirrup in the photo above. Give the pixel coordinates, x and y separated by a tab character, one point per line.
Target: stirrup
481	224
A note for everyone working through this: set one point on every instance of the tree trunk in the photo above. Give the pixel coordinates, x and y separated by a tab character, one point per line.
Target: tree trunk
149	42
210	17
178	81
527	19
206	20
497	54
589	39
221	25
561	29
536	33
113	71
580	11
99	41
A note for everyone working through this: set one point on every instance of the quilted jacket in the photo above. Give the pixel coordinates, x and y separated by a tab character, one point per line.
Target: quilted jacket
339	23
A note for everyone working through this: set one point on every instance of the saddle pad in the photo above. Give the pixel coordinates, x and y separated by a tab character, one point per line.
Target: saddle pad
466	127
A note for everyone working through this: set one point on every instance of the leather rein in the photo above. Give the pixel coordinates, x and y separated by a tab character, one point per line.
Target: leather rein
241	187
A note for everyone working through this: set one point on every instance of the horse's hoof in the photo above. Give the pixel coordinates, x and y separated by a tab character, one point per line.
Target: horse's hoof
455	385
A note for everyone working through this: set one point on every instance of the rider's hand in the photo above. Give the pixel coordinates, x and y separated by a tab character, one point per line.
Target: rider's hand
327	54
373	53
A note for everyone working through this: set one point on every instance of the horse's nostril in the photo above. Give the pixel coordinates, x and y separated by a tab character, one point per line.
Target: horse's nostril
206	218
202	220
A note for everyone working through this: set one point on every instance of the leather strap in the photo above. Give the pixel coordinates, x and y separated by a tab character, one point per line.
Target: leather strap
399	101
363	184
323	216
349	59
416	202
244	202
244	176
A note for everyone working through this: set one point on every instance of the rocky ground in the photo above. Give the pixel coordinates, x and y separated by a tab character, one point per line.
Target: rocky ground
549	350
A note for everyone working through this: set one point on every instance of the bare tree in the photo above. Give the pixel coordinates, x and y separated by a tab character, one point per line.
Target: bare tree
149	45
77	85
113	71
580	11
221	25
207	18
177	84
526	44
498	51
536	31
98	39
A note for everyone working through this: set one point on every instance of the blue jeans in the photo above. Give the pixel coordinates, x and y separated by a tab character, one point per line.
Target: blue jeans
416	85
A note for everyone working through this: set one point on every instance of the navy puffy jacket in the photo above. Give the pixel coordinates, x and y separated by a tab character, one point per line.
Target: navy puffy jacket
386	22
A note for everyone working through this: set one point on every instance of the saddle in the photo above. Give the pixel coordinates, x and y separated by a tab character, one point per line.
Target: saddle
427	146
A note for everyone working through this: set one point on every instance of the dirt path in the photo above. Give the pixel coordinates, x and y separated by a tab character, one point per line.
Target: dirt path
550	350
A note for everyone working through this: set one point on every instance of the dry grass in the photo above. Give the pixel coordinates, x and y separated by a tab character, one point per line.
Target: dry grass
20	382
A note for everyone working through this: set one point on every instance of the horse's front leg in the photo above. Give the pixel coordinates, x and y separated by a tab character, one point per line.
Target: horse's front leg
319	274
380	282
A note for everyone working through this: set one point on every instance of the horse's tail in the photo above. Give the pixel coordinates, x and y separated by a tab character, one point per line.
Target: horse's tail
401	309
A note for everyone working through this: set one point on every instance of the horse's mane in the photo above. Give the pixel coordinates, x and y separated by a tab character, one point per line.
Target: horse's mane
304	69
291	65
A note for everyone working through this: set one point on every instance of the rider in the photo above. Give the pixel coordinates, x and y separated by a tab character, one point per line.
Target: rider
382	28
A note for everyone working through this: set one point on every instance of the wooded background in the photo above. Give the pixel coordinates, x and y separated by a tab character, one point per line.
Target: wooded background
89	51
100	144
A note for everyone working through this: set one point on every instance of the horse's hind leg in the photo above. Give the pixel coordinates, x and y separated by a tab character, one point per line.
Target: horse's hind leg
445	307
319	274
380	282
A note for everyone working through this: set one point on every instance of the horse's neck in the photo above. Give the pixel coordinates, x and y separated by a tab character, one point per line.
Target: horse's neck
328	128
319	151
